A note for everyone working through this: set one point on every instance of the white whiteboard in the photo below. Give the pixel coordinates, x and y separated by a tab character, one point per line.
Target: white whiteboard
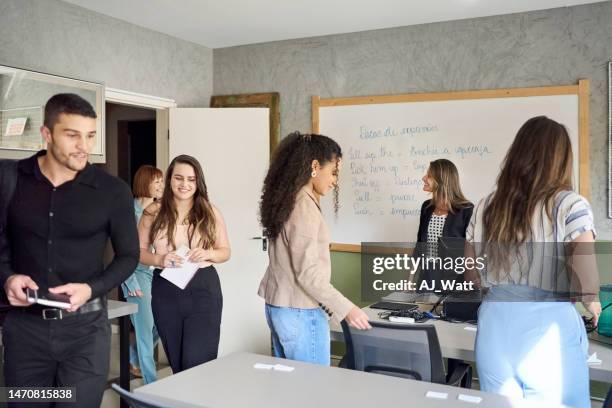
387	148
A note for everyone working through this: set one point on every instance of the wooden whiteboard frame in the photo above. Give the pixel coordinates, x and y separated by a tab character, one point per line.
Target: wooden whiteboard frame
582	90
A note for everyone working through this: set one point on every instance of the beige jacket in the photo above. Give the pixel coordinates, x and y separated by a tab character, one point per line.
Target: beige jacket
300	266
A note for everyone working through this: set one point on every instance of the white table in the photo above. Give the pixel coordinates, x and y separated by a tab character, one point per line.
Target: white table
457	342
118	309
232	381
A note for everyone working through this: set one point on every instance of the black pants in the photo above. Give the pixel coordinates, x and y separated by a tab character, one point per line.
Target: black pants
72	352
188	321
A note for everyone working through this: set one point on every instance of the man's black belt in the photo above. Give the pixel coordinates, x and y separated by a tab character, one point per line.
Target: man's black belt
54	313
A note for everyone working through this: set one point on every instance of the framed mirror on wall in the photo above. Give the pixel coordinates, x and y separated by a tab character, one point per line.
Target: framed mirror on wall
23	95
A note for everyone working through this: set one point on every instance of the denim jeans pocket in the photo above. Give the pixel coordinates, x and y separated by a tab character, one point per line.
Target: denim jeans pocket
286	323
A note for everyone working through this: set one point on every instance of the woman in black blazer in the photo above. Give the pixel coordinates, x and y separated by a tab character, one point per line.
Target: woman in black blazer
444	219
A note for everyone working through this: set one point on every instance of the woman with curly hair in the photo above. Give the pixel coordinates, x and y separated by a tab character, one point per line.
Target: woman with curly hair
296	287
189	320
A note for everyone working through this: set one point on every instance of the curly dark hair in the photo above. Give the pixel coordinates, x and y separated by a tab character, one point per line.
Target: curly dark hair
290	169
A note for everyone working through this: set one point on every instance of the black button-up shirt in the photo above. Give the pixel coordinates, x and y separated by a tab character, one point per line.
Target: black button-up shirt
57	235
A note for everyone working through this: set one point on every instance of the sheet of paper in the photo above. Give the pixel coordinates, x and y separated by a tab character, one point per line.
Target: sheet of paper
15	126
469	398
275	367
282	367
262	366
593	360
437	395
180	276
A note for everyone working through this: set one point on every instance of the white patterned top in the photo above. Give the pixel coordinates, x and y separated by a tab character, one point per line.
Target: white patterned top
540	261
434	232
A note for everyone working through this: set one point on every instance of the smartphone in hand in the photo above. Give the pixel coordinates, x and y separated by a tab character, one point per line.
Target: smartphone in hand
61	301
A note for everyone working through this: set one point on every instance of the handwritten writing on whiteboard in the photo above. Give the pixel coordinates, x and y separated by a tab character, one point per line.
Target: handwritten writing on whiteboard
387	149
402	168
368	133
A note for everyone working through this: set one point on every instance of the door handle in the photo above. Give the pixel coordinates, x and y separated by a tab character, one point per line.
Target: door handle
264	243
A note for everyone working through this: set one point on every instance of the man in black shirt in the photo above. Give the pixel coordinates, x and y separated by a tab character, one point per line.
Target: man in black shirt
59	219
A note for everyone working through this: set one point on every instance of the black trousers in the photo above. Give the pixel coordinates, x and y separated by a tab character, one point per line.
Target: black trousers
71	352
188	321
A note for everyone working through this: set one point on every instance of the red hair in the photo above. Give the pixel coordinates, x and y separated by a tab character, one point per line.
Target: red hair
143	178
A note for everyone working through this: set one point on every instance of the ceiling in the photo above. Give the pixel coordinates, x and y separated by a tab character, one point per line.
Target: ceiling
226	23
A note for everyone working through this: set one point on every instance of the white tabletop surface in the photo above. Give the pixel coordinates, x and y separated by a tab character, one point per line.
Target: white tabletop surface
118	309
232	381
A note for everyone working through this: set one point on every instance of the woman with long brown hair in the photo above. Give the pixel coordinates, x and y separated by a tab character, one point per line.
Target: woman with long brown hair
188	320
537	236
445	216
296	287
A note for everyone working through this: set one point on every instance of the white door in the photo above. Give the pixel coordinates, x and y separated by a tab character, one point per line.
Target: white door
232	145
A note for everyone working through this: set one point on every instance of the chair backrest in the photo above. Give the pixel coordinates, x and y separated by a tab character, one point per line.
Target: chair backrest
135	401
608	401
401	350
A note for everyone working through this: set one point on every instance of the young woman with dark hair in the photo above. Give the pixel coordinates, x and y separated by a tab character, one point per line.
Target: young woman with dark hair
296	287
189	320
537	236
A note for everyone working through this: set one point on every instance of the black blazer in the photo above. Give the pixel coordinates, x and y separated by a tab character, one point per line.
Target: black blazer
454	227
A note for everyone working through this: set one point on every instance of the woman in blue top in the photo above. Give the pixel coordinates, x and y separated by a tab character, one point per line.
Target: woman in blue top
147	186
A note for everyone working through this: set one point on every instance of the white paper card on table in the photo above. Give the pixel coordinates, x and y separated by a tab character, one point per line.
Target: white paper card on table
281	367
469	398
275	367
181	275
437	395
593	360
262	366
470	328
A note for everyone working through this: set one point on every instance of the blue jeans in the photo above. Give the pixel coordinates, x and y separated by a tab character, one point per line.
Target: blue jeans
141	354
299	334
532	349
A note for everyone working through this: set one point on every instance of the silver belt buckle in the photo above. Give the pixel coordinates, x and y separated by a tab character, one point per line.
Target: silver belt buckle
52	314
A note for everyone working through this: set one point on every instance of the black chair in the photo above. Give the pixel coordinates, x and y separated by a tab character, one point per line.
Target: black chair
608	401
402	350
135	401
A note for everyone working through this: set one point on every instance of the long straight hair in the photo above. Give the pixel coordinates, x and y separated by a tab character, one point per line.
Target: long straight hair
536	168
200	218
446	189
